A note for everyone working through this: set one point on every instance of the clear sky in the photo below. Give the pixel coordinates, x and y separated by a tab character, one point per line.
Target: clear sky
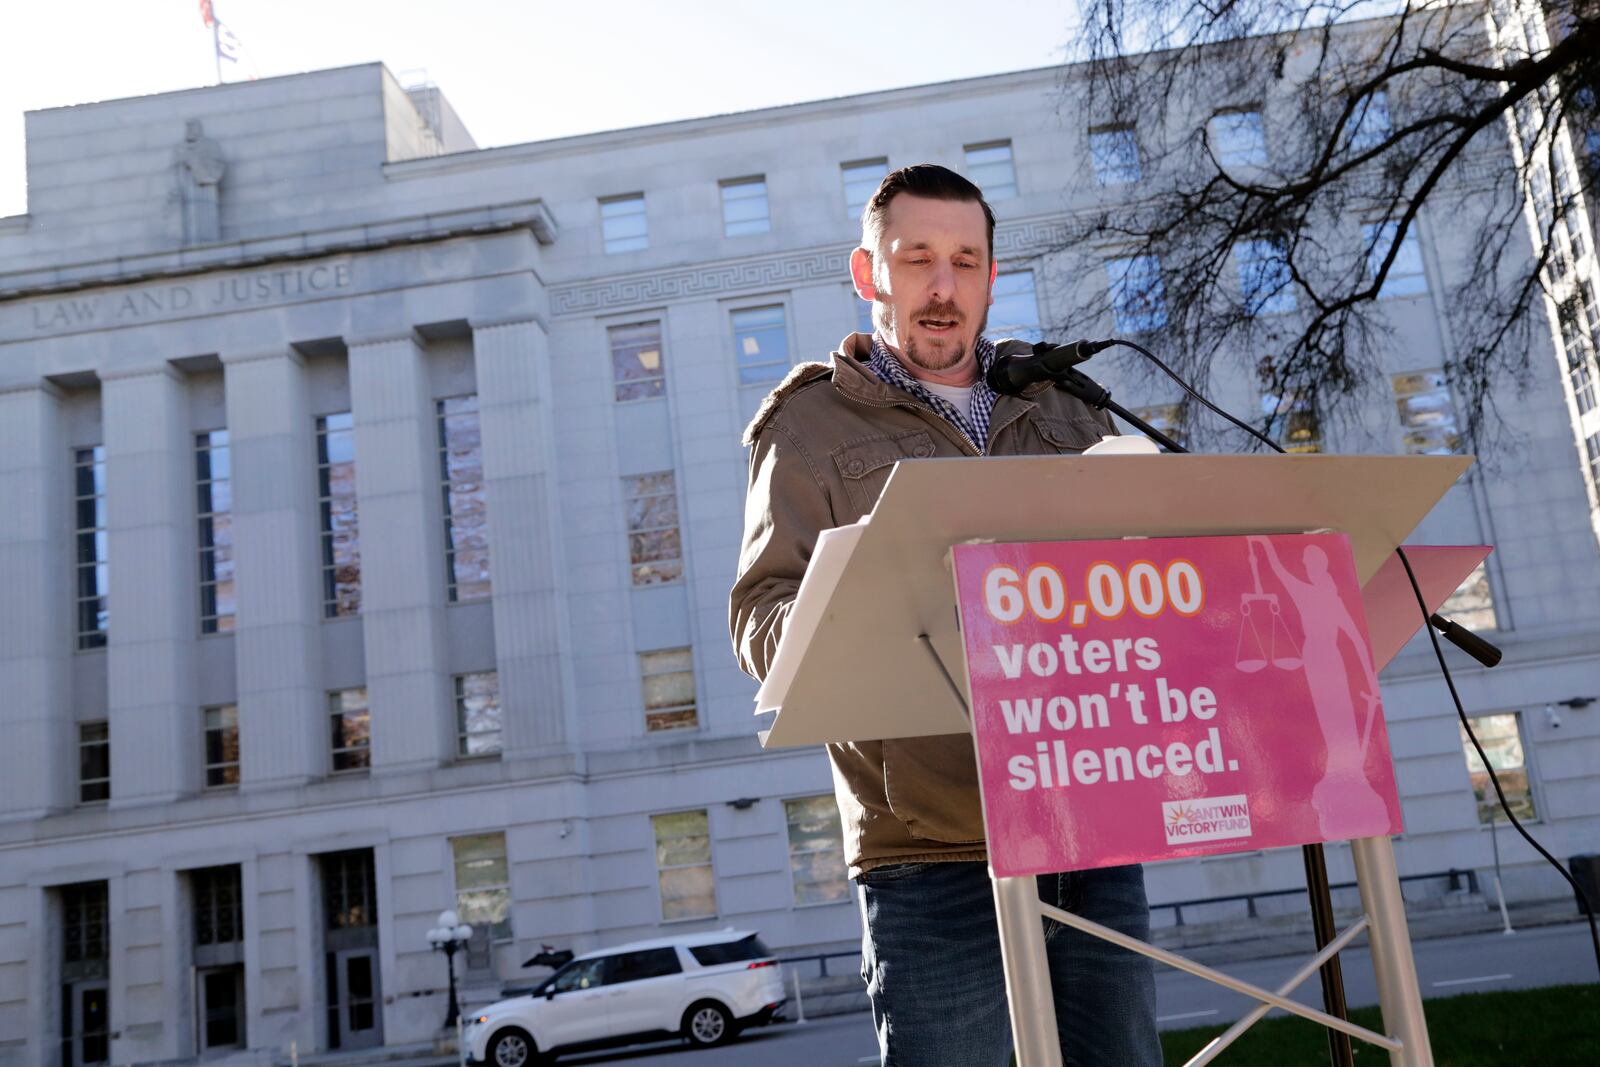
528	70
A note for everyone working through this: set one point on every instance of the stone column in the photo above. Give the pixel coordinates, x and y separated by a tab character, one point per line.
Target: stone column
402	554
512	363
37	760
153	597
283	738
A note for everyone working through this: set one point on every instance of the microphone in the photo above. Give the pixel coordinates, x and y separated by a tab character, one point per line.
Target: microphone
1012	374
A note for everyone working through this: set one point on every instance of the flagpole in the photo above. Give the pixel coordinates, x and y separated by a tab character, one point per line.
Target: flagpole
216	45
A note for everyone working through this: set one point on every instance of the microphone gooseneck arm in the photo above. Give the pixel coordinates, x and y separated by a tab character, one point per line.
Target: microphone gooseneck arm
1097	396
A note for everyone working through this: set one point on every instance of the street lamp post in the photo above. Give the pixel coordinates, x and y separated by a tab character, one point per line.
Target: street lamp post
449	937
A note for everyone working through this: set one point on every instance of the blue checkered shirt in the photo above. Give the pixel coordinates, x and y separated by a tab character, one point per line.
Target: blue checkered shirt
973	423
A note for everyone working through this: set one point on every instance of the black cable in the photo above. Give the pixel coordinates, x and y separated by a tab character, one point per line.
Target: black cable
1429	621
1186	387
1583	898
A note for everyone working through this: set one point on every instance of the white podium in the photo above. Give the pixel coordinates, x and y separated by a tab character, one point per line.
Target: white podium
872	650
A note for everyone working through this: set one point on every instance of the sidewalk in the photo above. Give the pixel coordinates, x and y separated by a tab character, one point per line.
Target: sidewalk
1285	936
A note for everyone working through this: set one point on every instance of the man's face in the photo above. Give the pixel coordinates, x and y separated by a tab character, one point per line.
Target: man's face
930	280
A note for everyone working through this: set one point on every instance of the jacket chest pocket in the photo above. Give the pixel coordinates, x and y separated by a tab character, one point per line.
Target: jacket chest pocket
864	465
1068	435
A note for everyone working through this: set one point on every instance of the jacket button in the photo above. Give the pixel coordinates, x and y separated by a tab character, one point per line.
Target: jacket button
922	451
854	468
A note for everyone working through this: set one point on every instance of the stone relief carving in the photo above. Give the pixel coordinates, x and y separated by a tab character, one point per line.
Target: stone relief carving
199	168
589	298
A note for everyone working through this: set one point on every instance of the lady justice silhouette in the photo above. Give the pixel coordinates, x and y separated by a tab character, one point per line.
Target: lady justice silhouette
1334	687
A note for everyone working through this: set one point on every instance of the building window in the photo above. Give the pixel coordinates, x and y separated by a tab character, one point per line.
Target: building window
1264	279
222	745
1406	275
637	367
1015	311
761	342
816	850
218	905
341	534
349	889
94	762
744	207
668	680
683	863
466	513
1294	417
1427	416
1369	125
214	496
861	180
351	735
85	923
483	892
1138	298
89	507
989	167
622	224
1115	153
655	551
1237	139
1472	604
1170	419
1573	315
1501	738
478	721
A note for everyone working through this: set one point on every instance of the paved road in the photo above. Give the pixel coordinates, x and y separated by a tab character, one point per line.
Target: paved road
835	1041
1539	956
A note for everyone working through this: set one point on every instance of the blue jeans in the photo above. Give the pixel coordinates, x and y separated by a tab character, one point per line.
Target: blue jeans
930	954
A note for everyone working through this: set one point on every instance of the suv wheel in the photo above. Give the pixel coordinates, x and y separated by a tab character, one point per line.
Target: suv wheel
707	1023
513	1048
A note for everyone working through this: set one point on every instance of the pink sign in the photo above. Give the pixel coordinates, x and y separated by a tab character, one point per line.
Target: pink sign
1148	699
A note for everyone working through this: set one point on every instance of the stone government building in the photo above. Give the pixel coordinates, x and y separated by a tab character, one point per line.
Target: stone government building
370	502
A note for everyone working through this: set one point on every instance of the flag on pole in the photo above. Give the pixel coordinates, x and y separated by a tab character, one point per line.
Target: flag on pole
226	45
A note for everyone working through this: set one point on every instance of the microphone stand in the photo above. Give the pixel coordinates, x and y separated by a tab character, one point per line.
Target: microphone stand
1097	396
1323	926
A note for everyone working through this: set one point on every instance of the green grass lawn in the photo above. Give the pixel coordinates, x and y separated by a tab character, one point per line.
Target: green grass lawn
1549	1027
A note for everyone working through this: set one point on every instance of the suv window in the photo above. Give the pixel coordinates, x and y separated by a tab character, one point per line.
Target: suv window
637	966
580	974
746	948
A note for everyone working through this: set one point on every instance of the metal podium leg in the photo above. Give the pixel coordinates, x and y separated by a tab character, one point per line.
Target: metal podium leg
1398	992
1032	1006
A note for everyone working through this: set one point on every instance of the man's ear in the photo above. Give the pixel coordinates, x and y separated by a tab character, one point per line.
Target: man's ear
994	272
861	274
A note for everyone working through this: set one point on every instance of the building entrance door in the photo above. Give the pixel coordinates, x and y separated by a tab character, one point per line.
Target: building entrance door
88	1015
354	997
221	1008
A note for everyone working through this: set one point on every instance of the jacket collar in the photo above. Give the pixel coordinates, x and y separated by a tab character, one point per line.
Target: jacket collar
853	378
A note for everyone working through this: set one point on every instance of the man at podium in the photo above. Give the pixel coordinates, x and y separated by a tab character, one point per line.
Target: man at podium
821	449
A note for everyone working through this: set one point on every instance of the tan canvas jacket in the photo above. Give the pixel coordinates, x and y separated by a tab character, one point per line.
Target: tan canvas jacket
821	449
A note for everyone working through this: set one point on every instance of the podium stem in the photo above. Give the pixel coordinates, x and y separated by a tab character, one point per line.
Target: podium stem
1022	954
1399	994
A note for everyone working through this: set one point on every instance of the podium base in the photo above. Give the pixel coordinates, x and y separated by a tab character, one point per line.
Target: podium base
1033	1021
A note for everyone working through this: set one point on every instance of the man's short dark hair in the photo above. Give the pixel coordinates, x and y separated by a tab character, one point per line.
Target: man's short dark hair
919	179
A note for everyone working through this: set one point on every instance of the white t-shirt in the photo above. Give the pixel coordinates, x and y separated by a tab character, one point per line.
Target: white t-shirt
958	395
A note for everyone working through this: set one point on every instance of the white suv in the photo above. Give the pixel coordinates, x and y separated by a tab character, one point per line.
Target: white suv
702	987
